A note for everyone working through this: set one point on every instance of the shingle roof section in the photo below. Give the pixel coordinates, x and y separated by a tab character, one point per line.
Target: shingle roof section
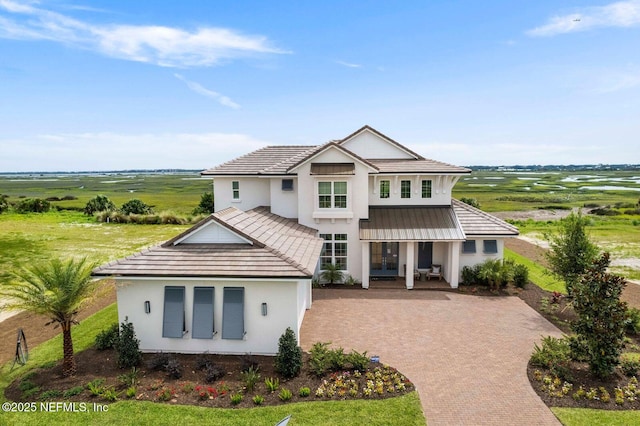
476	222
411	224
424	165
282	248
270	160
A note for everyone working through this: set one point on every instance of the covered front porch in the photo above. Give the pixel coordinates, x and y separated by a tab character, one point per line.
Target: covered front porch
412	243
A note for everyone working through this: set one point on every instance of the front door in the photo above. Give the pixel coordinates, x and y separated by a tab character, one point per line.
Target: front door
384	259
425	254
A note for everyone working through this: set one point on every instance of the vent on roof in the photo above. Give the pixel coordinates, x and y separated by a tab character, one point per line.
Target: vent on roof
333	168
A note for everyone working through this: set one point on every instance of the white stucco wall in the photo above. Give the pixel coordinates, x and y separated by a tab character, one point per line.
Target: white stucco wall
441	187
470	259
370	145
286	305
284	203
254	192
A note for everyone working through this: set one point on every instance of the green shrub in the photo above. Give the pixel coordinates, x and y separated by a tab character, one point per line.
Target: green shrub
337	359
258	399
359	361
131	392
130	378
520	275
96	386
25	385
289	358
128	347
99	203
272	384
632	321
107	339
629	366
579	348
285	395
471	201
109	395
33	205
319	358
135	206
206	205
554	354
73	391
236	398
304	392
250	378
4	205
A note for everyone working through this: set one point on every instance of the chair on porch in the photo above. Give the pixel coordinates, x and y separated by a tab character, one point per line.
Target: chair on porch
435	272
416	275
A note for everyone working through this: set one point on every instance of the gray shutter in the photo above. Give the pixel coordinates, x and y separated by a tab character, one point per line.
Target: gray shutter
490	246
233	313
173	320
202	326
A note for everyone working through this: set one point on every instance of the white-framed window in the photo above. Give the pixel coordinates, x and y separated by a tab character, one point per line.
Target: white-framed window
287	184
334	251
426	188
235	188
405	189
385	186
490	246
332	195
469	246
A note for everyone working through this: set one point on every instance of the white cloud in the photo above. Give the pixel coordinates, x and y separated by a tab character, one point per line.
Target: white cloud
159	45
119	151
348	64
617	82
619	14
199	89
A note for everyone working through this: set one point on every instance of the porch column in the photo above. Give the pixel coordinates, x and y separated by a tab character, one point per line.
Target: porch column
365	264
454	261
411	261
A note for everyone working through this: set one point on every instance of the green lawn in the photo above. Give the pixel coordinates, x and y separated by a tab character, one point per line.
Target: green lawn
588	417
538	274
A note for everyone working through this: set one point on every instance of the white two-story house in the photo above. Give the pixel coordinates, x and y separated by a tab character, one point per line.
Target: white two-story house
235	281
381	208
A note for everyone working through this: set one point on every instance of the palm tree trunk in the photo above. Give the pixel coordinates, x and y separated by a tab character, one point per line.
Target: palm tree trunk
69	361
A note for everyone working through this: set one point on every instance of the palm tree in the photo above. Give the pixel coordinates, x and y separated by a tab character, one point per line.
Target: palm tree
57	289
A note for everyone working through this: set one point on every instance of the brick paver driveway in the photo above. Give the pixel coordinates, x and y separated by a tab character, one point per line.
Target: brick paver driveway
467	355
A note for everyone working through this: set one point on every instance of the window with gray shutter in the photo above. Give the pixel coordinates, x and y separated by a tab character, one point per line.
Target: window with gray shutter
173	319
469	246
202	326
233	313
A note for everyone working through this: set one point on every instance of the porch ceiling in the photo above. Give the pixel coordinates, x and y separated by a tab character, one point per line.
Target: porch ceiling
411	223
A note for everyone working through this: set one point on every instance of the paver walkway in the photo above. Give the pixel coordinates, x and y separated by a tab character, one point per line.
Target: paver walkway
467	355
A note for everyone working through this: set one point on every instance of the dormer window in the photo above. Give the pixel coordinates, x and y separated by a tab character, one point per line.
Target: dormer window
287	184
235	188
426	188
405	189
385	185
332	195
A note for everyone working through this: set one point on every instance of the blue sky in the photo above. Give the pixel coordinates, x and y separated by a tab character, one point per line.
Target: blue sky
104	85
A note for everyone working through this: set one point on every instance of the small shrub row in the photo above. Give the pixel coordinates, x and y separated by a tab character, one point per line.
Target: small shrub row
324	359
496	274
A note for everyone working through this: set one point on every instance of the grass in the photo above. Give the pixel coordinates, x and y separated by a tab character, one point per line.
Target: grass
404	410
587	416
538	274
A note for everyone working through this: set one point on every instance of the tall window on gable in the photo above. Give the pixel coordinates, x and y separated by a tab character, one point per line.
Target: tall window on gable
426	188
202	325
235	187
233	313
384	188
490	246
173	324
469	246
332	195
334	251
405	189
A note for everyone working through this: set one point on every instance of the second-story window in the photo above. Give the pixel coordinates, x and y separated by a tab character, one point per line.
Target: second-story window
426	189
405	189
235	187
332	195
384	188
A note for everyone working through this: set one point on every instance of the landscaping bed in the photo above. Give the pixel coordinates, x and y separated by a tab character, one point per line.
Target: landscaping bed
97	371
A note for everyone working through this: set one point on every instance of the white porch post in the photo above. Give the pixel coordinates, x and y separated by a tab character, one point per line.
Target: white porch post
454	263
411	261
365	264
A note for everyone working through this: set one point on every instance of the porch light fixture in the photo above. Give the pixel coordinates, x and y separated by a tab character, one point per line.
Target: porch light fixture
264	309
147	307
